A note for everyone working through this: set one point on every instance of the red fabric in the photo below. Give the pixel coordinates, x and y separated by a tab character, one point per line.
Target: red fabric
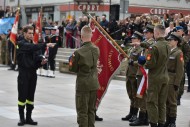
14	30
38	30
142	89
69	40
108	62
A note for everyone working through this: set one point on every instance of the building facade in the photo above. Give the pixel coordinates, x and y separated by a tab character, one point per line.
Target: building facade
56	10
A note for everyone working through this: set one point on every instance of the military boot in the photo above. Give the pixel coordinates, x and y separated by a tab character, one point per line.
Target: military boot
134	117
29	119
153	125
21	114
126	118
140	121
146	120
172	122
97	118
179	101
167	121
160	125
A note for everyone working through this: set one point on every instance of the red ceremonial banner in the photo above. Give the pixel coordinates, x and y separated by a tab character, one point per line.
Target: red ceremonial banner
14	30
38	30
109	61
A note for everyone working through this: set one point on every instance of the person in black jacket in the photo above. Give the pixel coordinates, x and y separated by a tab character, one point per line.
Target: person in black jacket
29	59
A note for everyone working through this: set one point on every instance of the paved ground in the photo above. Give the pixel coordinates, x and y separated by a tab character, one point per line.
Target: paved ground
55	103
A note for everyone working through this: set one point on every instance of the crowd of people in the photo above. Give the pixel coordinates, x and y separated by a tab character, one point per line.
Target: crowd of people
159	44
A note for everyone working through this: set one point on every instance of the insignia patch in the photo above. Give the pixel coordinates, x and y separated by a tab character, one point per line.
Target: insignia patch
148	57
181	57
171	58
150	48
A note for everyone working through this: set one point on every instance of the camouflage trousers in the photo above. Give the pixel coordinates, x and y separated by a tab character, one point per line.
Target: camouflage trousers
85	106
131	86
141	102
181	87
156	102
171	103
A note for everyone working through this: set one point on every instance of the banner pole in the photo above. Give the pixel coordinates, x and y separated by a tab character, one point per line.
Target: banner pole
107	35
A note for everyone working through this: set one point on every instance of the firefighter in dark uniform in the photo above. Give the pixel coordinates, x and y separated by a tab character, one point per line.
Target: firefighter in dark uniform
131	81
149	40
28	61
175	71
156	61
84	63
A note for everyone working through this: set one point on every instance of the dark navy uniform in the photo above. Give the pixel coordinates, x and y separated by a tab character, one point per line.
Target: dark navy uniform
28	61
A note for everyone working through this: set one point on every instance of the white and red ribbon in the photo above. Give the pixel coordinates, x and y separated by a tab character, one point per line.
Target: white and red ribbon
143	84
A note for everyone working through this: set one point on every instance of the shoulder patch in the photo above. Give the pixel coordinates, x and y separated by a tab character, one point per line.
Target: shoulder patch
150	48
181	57
148	57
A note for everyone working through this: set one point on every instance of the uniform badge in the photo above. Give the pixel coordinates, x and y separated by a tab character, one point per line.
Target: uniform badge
148	57
181	57
70	60
150	48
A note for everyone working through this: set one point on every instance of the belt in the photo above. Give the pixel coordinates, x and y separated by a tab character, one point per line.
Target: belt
171	71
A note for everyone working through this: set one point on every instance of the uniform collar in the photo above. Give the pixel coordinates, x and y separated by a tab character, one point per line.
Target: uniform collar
86	43
160	39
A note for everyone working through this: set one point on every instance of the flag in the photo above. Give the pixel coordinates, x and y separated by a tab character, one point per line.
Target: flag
108	62
143	84
38	29
14	30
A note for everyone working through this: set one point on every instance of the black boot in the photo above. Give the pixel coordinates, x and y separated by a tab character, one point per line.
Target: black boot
146	120
134	117
172	122
29	120
129	115
153	124
167	121
179	100
97	118
160	125
21	114
139	121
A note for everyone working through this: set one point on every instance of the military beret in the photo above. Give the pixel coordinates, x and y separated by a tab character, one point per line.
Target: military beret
174	36
149	28
179	28
138	35
142	60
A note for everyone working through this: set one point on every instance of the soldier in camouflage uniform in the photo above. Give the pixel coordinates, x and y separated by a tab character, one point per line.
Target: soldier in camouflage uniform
175	70
84	63
186	53
131	81
156	61
149	40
